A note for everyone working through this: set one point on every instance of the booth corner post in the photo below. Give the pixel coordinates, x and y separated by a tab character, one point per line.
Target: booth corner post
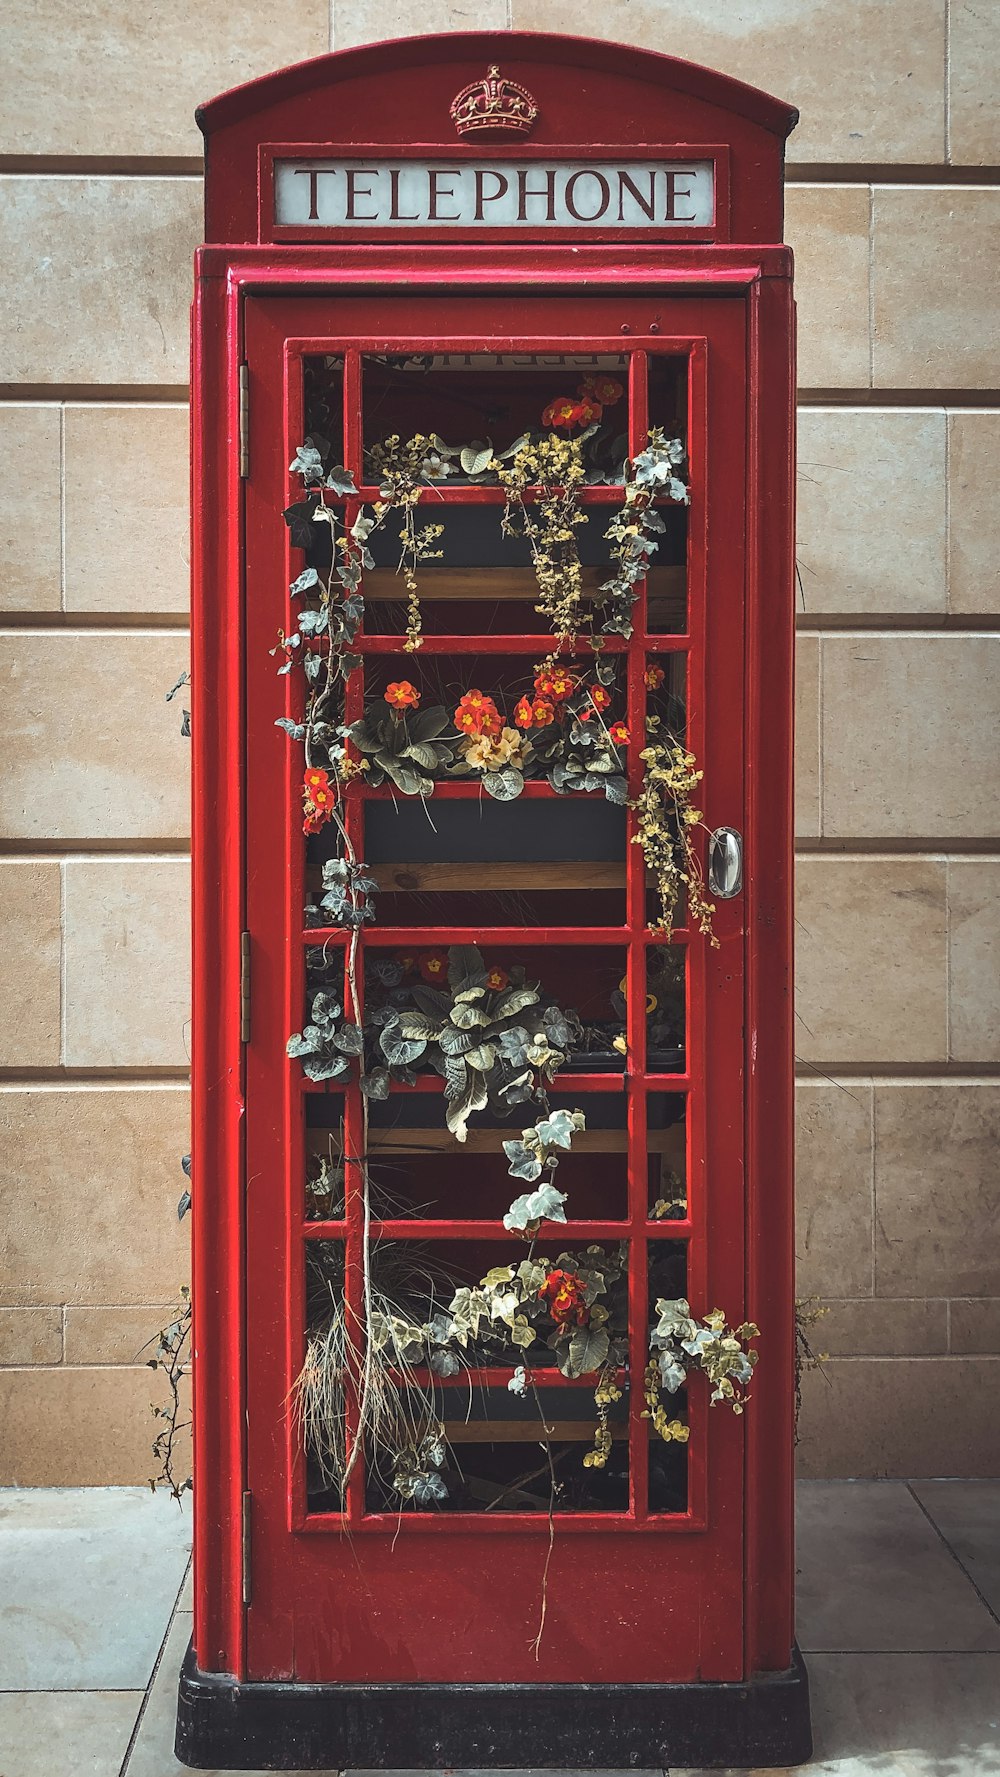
492	475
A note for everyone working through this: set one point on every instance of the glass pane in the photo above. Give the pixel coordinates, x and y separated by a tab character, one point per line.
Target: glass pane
323	393
490	400
319	1400
417	1165
666	1119
666	1405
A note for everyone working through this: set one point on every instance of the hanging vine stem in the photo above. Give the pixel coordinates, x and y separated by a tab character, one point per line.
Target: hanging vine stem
554	468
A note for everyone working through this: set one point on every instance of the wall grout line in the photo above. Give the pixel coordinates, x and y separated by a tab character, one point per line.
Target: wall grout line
947	960
873	1195
820	736
947	82
62	962
871	286
62	506
947	514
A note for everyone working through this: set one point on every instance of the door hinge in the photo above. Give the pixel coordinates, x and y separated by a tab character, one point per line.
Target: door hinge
244	987
244	421
245	1547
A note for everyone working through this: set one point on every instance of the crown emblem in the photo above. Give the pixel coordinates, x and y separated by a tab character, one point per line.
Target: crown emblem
493	107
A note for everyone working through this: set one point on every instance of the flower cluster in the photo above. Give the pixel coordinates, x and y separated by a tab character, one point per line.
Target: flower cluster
564	1293
593	395
318	799
671	776
477	715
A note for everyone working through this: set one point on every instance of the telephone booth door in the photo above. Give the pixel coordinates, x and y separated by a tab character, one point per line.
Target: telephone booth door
453	1590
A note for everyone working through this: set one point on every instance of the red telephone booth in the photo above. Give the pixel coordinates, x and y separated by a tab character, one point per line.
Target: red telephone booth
493	398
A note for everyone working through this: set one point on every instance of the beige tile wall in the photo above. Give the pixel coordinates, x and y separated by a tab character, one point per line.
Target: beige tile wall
892	211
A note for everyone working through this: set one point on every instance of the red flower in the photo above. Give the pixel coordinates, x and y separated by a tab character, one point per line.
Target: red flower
402	695
605	389
599	697
315	779
497	979
654	678
557	685
313	822
588	412
477	714
433	965
537	714
564	1292
584	715
563	414
523	715
619	734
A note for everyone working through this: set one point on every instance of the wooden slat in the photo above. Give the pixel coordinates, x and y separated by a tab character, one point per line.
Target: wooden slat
508	583
408	878
488	1141
526	1431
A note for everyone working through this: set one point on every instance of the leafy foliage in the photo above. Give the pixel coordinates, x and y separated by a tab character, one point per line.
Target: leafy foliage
328	1041
679	1343
488	1044
405	749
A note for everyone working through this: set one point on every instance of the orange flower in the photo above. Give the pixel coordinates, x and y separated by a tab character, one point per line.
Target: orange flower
599	697
605	389
584	715
588	413
477	714
557	685
402	695
523	713
497	979
654	678
315	779
542	713
433	965
619	734
563	414
564	1293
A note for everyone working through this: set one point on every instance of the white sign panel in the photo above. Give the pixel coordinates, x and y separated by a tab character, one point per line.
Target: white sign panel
494	194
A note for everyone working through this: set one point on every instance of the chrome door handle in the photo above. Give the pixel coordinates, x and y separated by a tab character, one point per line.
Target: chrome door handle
725	863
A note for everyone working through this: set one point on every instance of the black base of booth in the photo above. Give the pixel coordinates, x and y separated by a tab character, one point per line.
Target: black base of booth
225	1725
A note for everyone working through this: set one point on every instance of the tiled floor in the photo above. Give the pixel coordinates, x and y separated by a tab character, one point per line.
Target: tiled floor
899	1617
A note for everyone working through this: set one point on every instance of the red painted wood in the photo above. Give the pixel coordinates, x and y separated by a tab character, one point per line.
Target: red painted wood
710	1596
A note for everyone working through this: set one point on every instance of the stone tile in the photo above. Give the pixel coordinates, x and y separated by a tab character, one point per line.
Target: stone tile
82	1428
30	548
127	970
975	1325
114	1335
89	1729
89	747
855	73
974	955
88	1581
873	1574
807	758
31	1336
114	561
967	1513
935	328
833	1189
898	1715
97	274
29	963
973	565
900	1417
827	225
904	723
355	22
937	1189
89	1179
860	925
186	1599
153	1752
973	113
871	511
872	1328
120	58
